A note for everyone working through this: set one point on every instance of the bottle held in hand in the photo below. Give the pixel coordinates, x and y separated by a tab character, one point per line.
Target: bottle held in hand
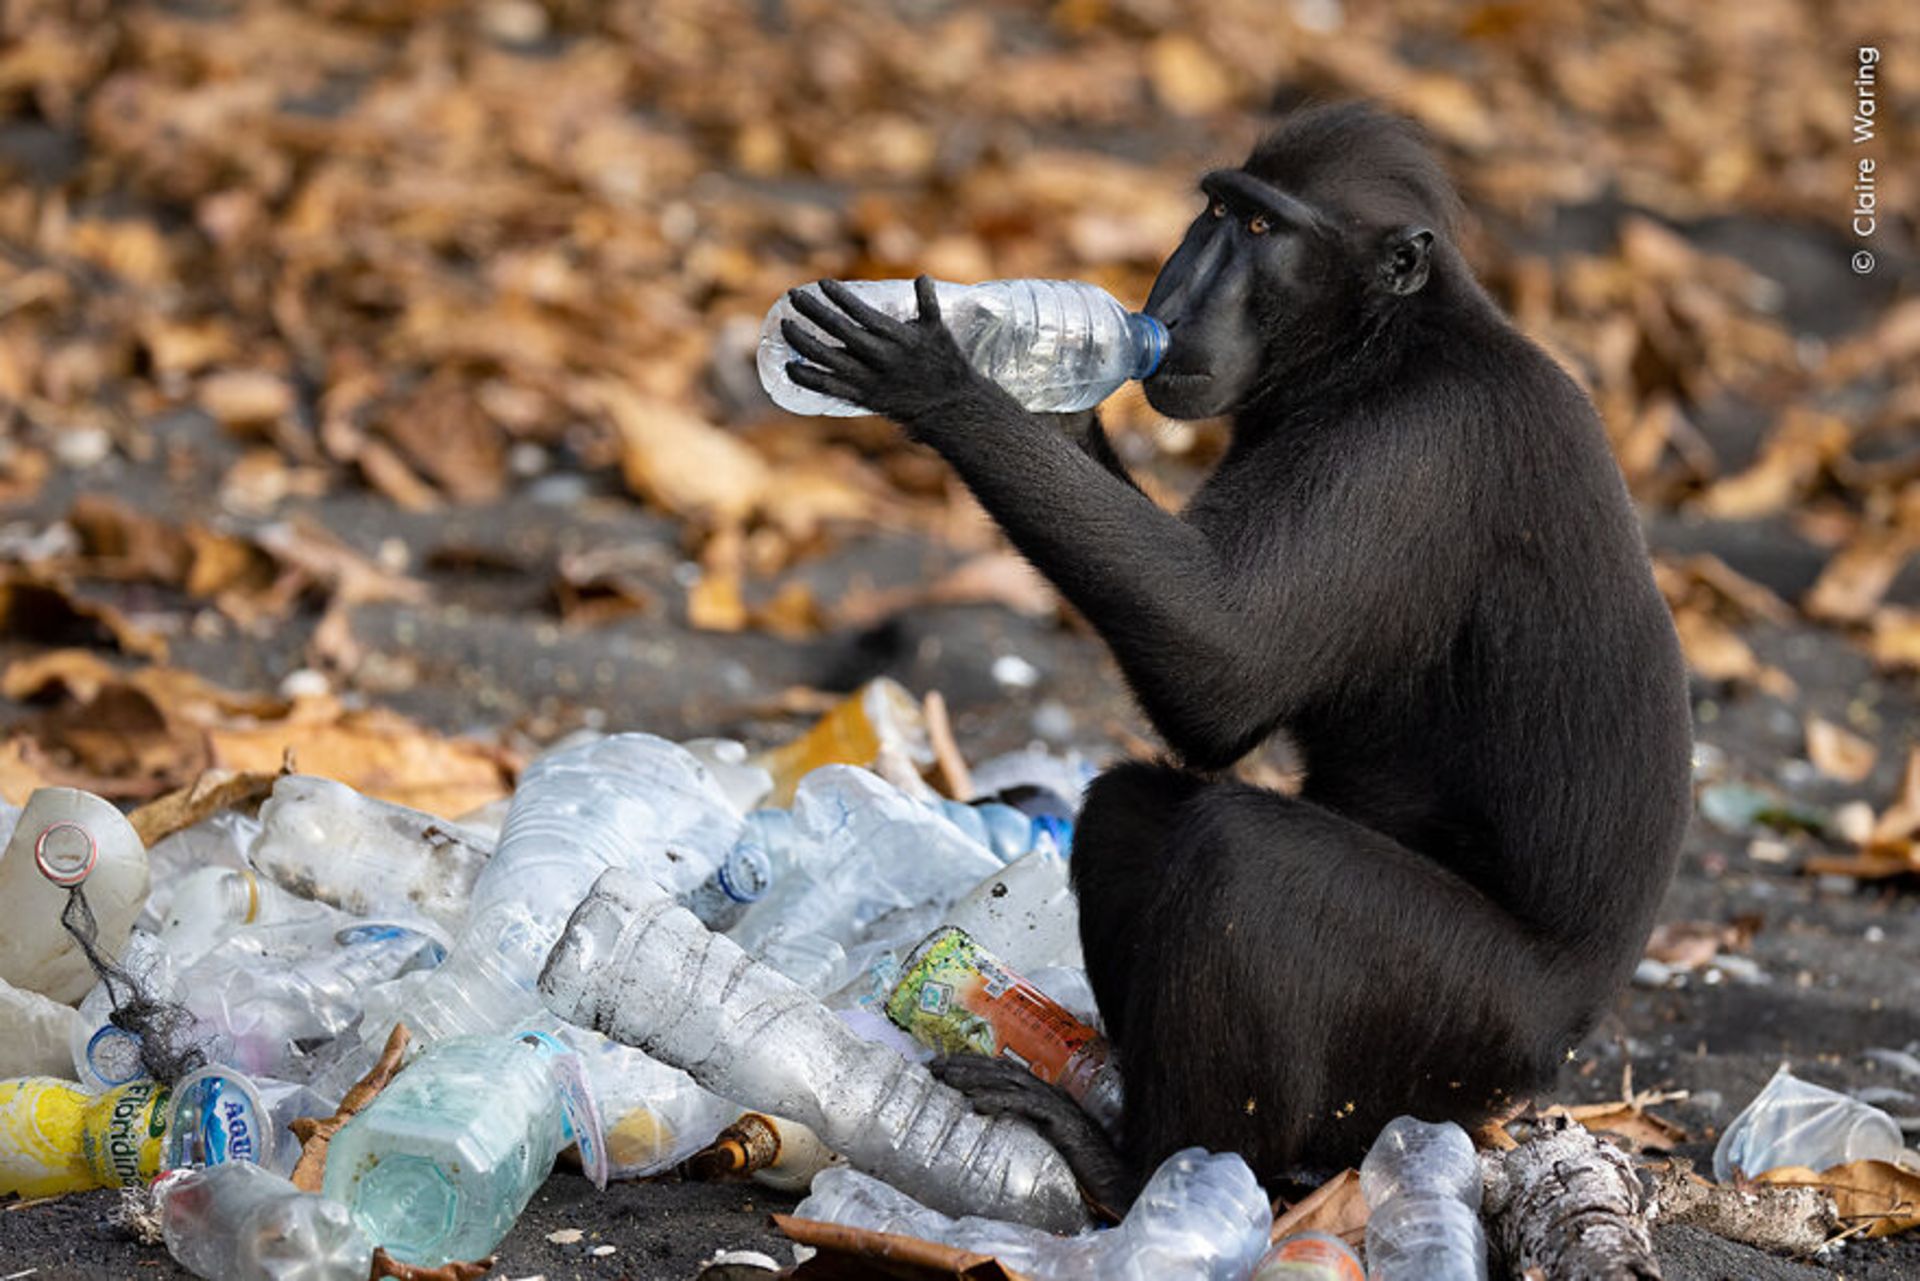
1056	346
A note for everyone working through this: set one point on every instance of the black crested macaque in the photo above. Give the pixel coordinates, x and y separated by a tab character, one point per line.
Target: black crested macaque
1417	558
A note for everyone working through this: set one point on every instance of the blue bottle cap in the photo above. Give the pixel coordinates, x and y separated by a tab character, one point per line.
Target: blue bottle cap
1150	339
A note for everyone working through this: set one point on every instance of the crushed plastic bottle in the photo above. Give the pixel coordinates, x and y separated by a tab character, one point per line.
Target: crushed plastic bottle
439	1166
1026	914
55	1137
636	966
629	800
1421	1181
1795	1122
957	997
871	864
104	1054
1201	1217
761	856
273	1012
1054	345
65	837
323	840
1310	1256
239	1222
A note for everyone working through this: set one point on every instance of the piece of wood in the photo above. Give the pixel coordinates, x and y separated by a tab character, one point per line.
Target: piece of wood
1793	1220
315	1133
955	778
862	1252
1568	1205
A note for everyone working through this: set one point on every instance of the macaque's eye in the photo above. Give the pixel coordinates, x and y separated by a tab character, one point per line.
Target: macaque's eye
1219	208
1258	225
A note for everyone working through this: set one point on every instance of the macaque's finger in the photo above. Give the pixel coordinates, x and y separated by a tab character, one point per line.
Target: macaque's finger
813	378
861	310
829	319
817	349
929	299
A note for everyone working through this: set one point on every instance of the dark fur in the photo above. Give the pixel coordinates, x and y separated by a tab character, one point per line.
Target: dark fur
1418	559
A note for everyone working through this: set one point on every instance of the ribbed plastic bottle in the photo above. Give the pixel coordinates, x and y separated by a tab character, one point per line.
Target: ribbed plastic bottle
635	965
630	800
439	1166
1422	1185
1055	345
239	1222
1201	1217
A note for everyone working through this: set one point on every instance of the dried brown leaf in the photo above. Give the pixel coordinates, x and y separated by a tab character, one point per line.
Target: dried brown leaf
1335	1207
1837	753
213	792
1877	1198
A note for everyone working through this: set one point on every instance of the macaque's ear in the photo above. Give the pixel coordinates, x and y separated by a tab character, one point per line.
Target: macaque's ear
1403	259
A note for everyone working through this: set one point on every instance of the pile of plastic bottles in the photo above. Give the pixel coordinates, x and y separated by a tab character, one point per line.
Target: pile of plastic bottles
250	969
655	952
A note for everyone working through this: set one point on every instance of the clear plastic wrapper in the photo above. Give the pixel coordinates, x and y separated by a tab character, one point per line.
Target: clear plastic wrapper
1795	1122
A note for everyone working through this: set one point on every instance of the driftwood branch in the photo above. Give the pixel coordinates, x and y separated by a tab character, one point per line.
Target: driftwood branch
1796	1220
1568	1206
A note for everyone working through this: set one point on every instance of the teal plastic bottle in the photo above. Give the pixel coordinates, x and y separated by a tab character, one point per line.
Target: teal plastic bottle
440	1165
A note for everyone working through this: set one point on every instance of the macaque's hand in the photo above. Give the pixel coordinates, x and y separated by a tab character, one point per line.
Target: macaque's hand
911	371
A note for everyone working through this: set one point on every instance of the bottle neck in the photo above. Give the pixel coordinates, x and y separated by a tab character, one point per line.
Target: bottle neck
1149	343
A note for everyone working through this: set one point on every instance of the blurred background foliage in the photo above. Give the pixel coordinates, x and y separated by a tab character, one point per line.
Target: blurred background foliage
434	250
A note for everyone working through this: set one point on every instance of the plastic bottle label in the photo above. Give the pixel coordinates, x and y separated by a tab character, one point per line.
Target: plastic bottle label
580	1111
218	1118
956	997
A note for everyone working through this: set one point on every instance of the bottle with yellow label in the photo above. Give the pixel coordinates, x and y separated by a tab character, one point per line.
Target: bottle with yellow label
55	1137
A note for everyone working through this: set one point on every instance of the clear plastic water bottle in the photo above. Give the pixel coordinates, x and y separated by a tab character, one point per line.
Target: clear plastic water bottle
868	860
1201	1217
239	1222
763	853
440	1165
1795	1122
209	905
274	1011
636	966
1055	345
628	800
323	840
1422	1185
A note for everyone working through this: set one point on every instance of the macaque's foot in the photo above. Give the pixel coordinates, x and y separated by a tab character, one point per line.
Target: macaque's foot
1000	1087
